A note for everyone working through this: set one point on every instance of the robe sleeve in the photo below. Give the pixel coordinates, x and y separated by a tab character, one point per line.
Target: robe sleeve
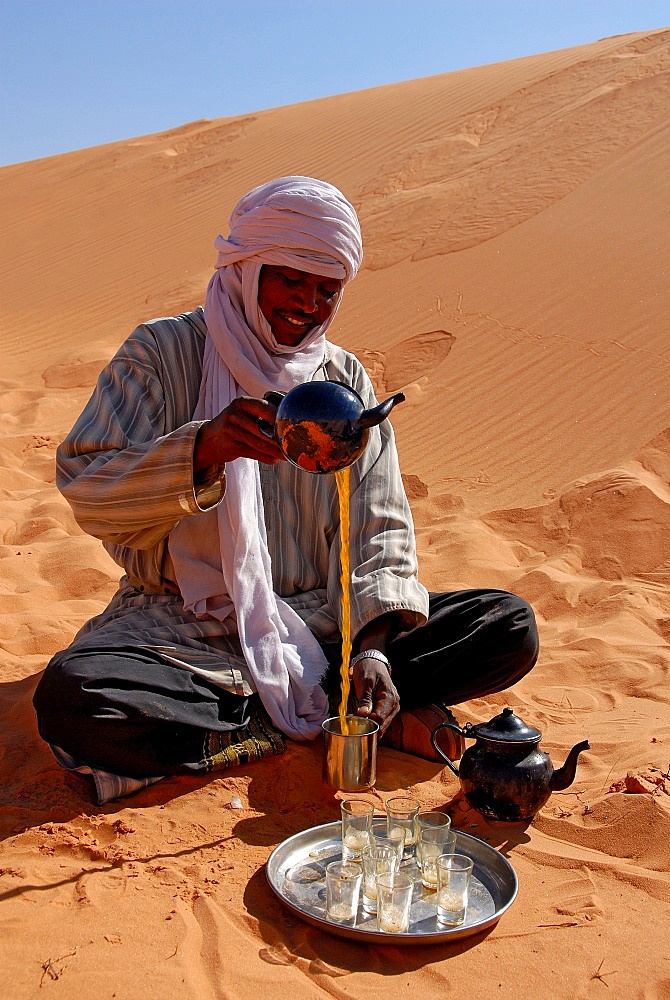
125	468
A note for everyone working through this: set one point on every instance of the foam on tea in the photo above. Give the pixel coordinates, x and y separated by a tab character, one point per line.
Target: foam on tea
342	479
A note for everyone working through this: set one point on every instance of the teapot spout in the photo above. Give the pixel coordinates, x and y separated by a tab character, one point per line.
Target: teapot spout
565	775
374	416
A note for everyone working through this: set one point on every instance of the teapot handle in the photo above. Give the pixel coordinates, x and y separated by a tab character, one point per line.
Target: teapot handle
266	428
456	729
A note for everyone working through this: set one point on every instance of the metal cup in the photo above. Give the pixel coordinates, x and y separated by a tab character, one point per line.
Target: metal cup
350	760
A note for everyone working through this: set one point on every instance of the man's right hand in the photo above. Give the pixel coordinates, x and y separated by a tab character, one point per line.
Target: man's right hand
235	433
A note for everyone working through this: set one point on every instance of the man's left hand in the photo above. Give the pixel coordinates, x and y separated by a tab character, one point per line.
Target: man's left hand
375	691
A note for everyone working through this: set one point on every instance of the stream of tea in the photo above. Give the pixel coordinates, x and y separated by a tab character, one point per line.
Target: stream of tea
342	479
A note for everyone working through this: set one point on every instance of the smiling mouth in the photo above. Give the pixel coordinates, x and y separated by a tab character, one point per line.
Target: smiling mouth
298	323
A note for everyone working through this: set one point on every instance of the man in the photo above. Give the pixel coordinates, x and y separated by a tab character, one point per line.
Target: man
225	630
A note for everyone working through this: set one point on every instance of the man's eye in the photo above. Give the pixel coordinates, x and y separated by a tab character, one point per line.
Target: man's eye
329	293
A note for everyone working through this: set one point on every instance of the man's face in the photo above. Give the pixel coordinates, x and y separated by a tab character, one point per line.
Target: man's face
294	302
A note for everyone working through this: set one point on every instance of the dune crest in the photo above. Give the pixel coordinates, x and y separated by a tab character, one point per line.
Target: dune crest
492	170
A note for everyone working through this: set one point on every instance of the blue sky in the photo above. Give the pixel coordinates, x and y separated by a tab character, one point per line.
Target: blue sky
78	73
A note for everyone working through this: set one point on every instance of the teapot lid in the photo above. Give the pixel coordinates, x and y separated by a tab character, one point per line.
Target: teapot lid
507	728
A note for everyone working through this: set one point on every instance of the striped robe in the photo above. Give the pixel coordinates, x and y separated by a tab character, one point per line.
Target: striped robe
126	470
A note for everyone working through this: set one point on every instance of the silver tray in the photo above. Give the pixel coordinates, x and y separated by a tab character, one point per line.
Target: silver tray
296	871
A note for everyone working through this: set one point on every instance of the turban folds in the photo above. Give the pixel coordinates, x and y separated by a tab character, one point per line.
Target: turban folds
296	222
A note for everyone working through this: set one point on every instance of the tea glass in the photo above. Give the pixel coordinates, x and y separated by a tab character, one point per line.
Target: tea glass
376	861
430	819
394	900
379	837
432	842
454	872
356	825
401	815
343	886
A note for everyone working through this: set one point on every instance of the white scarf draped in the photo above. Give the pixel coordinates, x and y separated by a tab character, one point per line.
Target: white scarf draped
221	557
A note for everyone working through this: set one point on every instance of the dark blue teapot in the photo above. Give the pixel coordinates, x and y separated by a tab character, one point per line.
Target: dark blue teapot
324	426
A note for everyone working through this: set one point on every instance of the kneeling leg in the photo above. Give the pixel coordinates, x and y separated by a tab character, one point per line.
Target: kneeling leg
131	712
475	642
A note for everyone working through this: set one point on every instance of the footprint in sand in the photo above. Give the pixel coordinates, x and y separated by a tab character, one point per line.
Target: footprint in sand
415	488
407	361
556	704
79	372
570	699
577	898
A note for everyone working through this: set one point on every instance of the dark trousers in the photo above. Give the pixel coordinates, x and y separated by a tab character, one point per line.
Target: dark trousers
130	712
475	642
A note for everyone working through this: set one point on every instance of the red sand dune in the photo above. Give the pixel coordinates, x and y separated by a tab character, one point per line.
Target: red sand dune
516	288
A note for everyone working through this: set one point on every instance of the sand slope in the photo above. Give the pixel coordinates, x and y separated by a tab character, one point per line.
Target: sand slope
516	288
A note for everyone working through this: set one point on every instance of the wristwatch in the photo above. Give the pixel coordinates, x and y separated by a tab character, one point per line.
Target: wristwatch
373	654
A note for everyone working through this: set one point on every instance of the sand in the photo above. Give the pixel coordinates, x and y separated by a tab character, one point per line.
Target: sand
516	288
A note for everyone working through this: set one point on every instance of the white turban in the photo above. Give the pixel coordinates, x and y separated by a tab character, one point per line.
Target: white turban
309	225
295	222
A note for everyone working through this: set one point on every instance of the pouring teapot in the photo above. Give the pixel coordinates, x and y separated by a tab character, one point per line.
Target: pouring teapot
505	776
324	426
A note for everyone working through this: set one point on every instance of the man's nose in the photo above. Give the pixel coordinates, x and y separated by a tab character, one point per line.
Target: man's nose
307	298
